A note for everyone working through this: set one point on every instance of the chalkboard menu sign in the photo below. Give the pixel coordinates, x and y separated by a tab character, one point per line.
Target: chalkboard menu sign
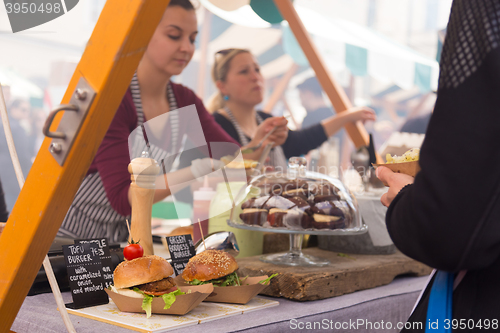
181	249
105	255
86	280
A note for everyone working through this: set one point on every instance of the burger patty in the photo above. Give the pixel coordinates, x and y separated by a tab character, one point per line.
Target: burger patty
157	286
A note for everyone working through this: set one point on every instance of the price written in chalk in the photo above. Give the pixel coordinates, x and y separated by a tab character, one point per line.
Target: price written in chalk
105	255
86	280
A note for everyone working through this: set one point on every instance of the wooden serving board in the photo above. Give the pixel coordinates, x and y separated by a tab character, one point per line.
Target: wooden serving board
346	273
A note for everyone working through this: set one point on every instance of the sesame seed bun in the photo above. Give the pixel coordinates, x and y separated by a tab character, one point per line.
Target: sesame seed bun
141	270
209	265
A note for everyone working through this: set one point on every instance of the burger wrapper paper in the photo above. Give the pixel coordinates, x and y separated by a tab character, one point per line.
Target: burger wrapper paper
235	294
408	168
182	305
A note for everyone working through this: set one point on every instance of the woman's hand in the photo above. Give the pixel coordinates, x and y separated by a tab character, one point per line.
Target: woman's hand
362	113
333	124
395	181
278	136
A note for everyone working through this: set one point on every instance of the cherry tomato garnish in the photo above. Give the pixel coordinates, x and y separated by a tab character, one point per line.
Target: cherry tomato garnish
132	251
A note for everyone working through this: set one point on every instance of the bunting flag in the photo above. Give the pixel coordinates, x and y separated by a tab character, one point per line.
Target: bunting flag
363	51
342	44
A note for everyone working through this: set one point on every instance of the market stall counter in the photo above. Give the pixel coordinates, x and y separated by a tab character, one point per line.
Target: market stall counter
359	290
361	311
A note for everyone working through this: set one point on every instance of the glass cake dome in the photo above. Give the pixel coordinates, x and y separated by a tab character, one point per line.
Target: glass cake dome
297	202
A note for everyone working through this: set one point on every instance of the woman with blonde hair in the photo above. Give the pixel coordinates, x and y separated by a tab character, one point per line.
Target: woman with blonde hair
240	85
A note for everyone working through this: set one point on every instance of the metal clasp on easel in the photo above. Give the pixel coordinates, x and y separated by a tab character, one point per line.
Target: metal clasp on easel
71	122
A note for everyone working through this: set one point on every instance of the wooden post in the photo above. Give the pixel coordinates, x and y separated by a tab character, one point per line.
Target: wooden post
112	54
352	87
333	90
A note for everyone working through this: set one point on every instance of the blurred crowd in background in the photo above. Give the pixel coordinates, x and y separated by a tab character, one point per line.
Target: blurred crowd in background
26	122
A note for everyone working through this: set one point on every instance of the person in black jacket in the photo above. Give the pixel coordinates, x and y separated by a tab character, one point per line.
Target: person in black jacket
448	216
240	85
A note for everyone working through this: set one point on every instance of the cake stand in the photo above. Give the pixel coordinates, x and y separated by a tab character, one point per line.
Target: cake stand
295	256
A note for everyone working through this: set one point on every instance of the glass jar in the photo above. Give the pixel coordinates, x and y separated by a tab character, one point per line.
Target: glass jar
250	243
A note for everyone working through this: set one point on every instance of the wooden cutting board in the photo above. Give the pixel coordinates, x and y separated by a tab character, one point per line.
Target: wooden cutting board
346	273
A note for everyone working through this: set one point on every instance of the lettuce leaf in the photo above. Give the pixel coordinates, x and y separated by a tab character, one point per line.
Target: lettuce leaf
226	281
230	280
139	291
266	281
197	282
169	298
146	304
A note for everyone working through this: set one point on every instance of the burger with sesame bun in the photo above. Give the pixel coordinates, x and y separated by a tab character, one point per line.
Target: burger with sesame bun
212	266
146	277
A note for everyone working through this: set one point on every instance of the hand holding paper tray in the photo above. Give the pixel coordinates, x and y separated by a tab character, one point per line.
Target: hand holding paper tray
407	163
407	168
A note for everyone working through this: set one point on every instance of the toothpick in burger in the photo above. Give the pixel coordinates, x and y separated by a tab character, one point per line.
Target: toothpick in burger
212	266
146	277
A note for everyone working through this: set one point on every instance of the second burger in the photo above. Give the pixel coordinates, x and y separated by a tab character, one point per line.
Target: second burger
212	266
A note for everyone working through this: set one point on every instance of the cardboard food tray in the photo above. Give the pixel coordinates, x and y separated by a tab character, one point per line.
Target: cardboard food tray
182	305
235	294
407	168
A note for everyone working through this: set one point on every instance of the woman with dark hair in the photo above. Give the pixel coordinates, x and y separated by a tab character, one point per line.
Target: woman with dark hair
448	216
240	85
102	203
